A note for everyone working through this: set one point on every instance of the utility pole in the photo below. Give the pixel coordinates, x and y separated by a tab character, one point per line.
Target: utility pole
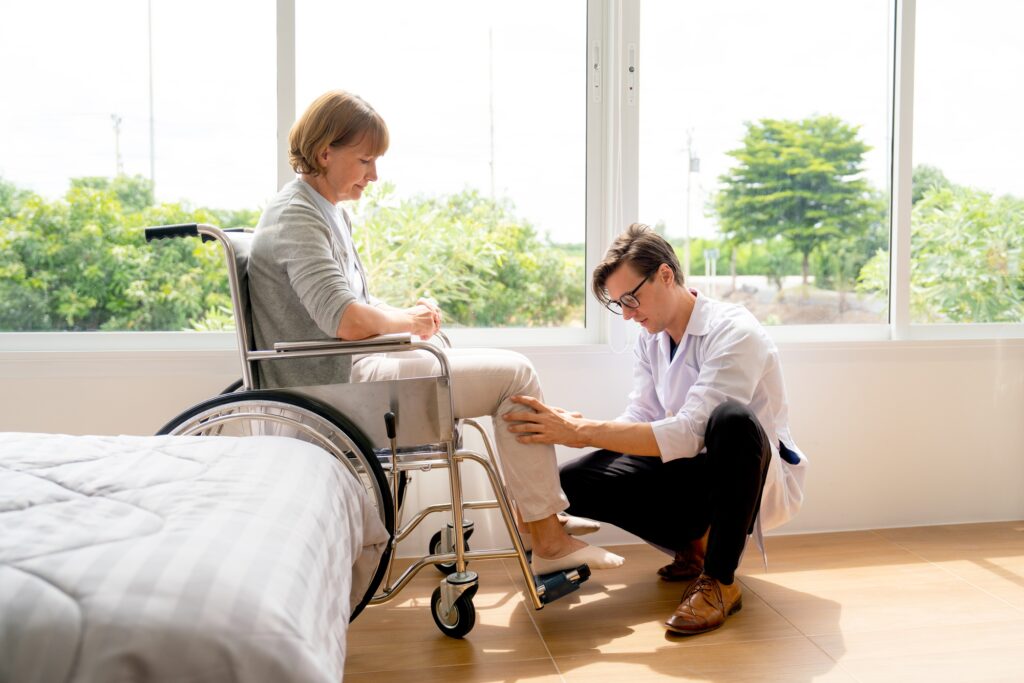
693	167
490	82
117	143
152	127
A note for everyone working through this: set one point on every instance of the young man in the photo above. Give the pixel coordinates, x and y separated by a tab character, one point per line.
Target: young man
703	446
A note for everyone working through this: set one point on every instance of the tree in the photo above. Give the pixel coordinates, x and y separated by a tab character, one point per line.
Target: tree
965	257
81	263
801	180
484	265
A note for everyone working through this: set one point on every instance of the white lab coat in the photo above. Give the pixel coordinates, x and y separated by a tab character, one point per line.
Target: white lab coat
724	353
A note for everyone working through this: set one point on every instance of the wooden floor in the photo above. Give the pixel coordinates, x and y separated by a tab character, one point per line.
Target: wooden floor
920	604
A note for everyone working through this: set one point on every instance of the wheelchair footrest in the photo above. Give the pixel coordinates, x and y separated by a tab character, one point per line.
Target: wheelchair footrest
557	585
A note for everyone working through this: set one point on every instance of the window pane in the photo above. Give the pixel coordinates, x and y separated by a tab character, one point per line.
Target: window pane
968	216
481	197
76	164
764	147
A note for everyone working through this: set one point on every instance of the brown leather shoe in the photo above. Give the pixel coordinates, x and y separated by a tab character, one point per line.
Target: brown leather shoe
688	563
705	606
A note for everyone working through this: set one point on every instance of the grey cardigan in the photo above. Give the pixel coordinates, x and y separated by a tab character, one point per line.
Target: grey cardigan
298	288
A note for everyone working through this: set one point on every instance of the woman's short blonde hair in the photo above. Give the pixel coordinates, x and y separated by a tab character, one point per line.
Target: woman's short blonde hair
335	119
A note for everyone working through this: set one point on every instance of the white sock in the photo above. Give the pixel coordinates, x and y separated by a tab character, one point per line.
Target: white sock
592	555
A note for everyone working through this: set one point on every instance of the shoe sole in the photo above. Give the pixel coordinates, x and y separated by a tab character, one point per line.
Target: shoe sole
732	610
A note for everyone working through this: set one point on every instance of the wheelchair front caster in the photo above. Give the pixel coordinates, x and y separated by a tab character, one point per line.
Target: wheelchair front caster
442	542
460	619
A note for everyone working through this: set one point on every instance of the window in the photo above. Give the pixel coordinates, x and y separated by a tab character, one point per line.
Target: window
481	199
967	219
759	138
764	151
94	125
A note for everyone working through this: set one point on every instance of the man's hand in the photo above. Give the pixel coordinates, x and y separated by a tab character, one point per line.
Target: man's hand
546	424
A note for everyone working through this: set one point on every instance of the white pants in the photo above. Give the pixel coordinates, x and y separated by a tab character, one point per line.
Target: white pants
483	381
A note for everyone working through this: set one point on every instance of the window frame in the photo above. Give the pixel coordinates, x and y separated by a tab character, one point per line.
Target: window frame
612	198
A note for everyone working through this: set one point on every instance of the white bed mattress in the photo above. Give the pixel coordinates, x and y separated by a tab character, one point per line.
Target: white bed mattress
178	558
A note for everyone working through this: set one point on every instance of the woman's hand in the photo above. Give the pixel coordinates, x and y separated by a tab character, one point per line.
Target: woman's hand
423	321
432	305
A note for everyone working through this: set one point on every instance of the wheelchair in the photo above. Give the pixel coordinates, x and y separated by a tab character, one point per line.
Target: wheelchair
382	432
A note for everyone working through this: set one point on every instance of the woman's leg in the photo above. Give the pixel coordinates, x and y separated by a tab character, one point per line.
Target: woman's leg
483	383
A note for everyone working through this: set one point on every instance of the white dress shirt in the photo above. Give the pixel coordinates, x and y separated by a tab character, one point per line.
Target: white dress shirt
725	353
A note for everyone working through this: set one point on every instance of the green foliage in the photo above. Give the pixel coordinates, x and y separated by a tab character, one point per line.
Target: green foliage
11	199
966	249
752	258
927	178
484	265
799	180
837	264
82	263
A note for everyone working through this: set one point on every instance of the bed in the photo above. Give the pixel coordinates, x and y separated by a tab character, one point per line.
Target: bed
178	558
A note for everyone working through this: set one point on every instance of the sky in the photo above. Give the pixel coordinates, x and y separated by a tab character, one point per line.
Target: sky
434	69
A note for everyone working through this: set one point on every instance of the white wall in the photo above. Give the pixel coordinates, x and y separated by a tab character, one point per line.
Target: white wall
898	433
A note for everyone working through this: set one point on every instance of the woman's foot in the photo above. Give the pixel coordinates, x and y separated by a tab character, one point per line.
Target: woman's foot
578	526
593	556
574	526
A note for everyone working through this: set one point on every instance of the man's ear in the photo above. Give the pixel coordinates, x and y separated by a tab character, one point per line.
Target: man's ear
665	274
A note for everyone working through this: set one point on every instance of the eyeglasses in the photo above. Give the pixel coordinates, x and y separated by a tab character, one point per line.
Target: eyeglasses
627	300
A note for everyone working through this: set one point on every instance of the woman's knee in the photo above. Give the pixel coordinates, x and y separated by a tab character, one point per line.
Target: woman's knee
526	380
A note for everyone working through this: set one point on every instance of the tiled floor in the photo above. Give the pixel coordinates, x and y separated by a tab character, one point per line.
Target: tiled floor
920	604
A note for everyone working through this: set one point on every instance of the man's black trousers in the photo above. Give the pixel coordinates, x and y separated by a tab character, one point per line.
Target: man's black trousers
672	503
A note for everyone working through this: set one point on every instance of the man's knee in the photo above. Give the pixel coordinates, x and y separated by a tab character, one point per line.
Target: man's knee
587	474
731	417
572	474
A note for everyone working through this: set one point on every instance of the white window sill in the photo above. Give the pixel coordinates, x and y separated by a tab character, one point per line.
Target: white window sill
553	340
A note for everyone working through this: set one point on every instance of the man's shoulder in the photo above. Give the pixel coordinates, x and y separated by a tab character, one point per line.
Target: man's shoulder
735	320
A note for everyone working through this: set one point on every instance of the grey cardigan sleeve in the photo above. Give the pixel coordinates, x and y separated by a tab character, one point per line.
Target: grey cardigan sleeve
305	251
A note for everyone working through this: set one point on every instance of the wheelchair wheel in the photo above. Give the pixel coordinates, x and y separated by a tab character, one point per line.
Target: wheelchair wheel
277	413
460	620
437	547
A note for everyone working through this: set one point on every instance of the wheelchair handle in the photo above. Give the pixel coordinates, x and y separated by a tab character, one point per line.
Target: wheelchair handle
162	232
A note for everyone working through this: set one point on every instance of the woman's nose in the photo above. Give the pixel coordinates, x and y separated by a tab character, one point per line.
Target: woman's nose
372	172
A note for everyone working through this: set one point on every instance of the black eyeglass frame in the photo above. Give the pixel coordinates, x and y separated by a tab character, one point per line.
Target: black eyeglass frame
627	300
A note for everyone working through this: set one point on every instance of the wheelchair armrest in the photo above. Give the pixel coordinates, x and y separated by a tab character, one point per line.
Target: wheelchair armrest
400	339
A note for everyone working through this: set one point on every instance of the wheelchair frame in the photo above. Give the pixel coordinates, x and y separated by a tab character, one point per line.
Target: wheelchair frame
305	412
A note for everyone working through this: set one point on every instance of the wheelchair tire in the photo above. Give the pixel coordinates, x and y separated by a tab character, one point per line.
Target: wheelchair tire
460	620
251	413
435	548
233	387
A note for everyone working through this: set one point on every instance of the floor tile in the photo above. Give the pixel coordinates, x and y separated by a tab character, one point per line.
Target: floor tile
980	652
534	670
933	603
619	624
503	631
877	598
789	660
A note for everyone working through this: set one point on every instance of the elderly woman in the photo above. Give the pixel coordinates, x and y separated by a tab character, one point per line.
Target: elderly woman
306	282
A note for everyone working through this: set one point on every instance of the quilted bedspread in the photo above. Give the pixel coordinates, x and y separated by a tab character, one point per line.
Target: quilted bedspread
178	559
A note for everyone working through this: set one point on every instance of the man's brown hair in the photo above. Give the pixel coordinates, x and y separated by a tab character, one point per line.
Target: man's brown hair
640	247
